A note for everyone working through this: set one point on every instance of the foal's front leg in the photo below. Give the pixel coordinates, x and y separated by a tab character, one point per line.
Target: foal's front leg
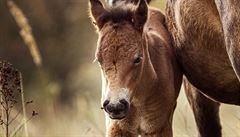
165	132
117	129
154	129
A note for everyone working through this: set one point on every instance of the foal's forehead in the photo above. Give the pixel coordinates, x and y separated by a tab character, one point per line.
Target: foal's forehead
122	37
120	42
119	34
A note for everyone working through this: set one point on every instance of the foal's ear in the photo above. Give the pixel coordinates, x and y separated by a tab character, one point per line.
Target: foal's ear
96	11
140	15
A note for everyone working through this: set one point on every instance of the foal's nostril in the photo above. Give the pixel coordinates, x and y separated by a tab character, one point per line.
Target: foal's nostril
106	102
110	108
124	102
120	107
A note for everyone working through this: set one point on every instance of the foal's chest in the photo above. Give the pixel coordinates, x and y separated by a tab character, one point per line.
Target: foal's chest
146	127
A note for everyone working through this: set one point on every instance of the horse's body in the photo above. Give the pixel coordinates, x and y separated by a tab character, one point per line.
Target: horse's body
199	42
206	36
147	87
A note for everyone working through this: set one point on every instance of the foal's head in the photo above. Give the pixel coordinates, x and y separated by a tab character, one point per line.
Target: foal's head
120	53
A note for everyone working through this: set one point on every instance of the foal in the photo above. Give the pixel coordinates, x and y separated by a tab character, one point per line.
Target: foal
140	79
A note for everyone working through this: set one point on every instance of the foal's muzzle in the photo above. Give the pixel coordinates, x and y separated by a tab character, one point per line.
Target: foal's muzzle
118	110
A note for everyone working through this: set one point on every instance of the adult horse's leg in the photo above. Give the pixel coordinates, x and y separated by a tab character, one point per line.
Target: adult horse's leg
206	111
229	11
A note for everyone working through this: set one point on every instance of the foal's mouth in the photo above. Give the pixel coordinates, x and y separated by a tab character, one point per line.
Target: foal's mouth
117	117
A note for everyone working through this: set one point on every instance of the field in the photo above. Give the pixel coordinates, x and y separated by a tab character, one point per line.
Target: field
59	76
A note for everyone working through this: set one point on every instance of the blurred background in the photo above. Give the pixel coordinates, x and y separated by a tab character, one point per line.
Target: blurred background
66	89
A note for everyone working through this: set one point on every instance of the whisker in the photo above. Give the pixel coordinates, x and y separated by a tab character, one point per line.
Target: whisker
94	61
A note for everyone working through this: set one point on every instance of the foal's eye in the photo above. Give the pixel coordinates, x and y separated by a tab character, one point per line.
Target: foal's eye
137	60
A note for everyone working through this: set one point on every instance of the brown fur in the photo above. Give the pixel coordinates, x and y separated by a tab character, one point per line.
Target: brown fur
202	30
115	2
200	47
153	84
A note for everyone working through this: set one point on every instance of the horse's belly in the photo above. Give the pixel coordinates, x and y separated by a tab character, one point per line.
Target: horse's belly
212	77
208	71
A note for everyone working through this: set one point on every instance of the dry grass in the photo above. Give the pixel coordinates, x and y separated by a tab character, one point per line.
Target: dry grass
23	108
25	32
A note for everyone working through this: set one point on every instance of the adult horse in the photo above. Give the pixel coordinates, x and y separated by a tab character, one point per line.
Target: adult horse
206	37
140	76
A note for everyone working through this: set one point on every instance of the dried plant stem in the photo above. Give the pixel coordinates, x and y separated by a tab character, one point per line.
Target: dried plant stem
25	32
7	123
23	108
1	98
15	117
2	111
21	125
7	115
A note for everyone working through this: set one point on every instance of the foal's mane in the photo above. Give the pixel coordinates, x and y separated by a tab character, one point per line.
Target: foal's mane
119	13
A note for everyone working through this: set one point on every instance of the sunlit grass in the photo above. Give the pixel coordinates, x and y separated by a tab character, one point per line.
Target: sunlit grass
159	4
